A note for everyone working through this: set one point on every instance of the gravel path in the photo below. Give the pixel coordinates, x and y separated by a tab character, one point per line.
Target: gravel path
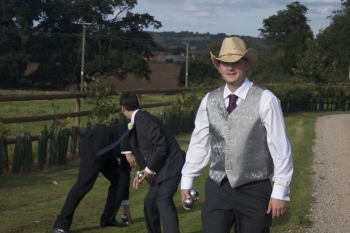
331	178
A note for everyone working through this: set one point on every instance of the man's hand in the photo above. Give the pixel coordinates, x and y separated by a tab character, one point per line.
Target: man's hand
146	175
184	195
138	181
131	159
277	208
135	183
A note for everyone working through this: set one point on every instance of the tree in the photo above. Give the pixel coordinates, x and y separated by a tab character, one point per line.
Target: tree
287	31
335	39
313	65
13	61
116	45
16	17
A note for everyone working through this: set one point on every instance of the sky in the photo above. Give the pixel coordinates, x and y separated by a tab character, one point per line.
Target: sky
232	17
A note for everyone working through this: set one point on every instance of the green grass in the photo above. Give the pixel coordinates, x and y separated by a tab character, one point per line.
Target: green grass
31	202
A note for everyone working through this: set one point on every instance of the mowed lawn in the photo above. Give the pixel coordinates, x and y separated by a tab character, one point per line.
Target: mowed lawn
31	202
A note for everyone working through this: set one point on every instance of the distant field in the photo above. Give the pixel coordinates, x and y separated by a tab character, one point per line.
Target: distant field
164	76
199	38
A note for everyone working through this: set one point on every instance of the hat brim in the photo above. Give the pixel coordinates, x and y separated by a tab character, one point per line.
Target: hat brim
251	55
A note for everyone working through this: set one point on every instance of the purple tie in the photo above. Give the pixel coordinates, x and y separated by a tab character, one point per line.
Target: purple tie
232	103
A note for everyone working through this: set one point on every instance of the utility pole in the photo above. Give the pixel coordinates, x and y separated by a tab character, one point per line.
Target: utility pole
186	80
84	24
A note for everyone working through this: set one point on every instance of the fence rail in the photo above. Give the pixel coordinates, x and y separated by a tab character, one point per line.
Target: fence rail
66	115
7	98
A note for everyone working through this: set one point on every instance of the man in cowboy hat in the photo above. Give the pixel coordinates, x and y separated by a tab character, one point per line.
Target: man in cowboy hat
240	128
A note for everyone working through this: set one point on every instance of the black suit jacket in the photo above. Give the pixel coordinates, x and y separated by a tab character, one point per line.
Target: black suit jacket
155	147
102	137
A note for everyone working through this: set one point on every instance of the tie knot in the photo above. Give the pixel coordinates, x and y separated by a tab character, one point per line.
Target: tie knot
232	103
233	99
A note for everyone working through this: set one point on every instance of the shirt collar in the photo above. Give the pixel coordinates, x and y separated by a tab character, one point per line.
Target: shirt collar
241	92
133	115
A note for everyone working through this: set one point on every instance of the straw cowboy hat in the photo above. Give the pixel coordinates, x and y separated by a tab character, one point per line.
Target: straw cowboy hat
233	49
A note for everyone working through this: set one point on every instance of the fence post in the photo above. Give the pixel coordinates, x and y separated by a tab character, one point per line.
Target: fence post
182	99
28	153
53	148
52	122
74	140
139	97
18	156
42	149
62	146
77	109
4	154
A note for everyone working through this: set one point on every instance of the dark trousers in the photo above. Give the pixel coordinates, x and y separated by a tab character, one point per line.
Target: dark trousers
159	207
90	167
244	207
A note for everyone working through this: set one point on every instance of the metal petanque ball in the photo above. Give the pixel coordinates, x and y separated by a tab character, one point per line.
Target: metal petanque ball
140	175
194	193
124	218
188	202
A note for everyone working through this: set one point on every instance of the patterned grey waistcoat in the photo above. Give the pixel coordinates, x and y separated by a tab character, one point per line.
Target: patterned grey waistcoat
238	141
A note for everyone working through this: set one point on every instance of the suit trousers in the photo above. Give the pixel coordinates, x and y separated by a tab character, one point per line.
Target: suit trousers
89	169
243	207
159	206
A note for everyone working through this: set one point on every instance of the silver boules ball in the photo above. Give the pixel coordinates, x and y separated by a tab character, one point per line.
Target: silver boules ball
194	193
188	202
124	218
140	175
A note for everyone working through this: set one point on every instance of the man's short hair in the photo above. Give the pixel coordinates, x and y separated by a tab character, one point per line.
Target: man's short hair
129	100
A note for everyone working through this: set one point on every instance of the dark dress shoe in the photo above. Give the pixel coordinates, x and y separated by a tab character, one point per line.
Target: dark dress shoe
58	230
113	224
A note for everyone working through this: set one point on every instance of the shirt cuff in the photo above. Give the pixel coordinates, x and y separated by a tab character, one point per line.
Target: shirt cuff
149	171
126	152
281	192
186	182
125	202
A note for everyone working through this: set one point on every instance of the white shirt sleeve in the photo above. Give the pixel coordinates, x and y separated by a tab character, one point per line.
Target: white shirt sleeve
279	146
198	154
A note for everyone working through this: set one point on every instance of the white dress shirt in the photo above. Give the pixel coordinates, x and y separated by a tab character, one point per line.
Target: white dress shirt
198	154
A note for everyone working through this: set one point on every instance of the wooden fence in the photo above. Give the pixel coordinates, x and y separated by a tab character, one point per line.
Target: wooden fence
58	143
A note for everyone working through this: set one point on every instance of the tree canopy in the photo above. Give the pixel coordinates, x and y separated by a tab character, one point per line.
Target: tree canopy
49	32
335	39
287	31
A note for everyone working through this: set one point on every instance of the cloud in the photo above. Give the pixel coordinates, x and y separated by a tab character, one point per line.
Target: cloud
238	17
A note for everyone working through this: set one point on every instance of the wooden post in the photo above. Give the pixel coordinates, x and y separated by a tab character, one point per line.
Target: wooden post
139	96
77	109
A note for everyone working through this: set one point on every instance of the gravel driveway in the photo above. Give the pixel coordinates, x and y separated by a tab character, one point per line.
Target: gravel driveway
331	178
